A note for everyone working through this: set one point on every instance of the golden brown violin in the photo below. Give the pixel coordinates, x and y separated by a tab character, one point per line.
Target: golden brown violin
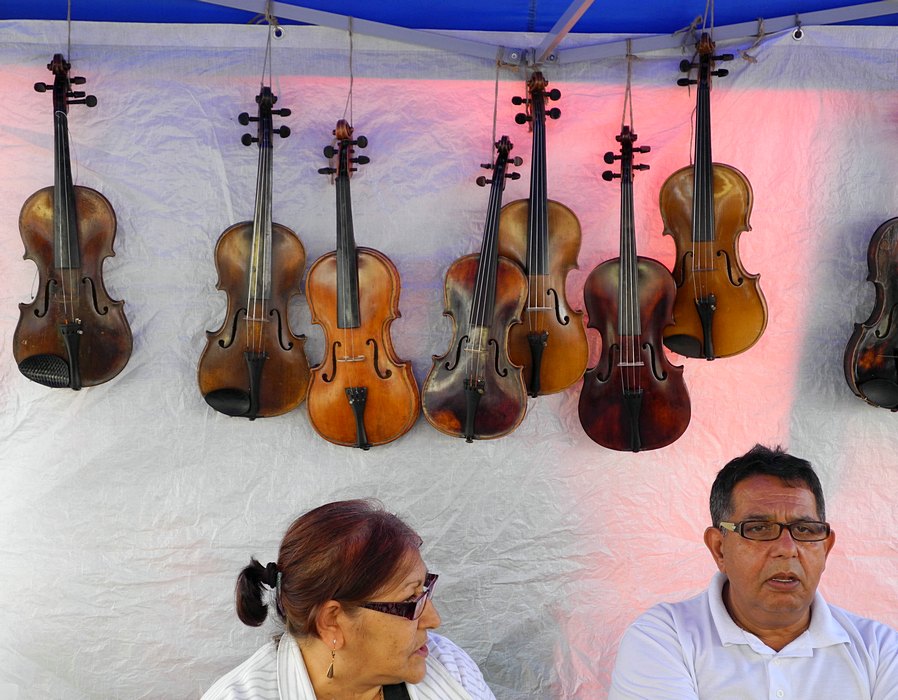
474	391
720	309
361	394
634	398
543	237
253	365
72	334
871	356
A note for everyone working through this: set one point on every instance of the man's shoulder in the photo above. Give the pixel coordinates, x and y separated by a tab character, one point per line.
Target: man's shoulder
867	629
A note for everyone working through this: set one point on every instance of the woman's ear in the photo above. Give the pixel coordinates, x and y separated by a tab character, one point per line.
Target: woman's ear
327	623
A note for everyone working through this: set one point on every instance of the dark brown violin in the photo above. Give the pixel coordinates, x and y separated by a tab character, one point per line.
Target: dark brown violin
361	394
543	237
73	334
474	391
719	310
871	357
633	399
254	365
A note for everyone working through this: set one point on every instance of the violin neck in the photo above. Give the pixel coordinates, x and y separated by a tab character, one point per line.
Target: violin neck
703	192
348	315
66	253
628	320
538	224
260	256
484	300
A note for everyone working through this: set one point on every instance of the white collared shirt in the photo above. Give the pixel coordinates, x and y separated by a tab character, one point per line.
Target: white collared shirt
693	650
277	672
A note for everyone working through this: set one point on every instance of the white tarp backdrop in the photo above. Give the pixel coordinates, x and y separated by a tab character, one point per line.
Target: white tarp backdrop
127	509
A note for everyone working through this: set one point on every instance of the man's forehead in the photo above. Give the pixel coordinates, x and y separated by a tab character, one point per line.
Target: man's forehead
763	493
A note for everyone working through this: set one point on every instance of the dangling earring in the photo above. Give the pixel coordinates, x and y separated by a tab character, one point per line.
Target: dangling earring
330	669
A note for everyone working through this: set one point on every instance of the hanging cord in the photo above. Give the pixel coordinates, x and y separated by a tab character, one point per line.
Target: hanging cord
348	105
495	102
628	95
274	28
709	8
68	19
759	37
688	33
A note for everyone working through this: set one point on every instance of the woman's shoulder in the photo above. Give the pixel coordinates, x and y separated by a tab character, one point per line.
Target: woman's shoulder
256	678
458	664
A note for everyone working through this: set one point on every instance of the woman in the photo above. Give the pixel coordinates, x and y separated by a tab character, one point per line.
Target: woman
355	596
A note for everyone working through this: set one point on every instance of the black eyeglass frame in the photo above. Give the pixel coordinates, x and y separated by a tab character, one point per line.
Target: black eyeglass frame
739	529
409	609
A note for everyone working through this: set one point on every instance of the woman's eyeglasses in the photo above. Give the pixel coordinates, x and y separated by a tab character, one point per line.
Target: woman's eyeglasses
409	609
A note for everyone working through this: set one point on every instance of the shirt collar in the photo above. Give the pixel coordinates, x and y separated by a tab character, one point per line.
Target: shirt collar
823	631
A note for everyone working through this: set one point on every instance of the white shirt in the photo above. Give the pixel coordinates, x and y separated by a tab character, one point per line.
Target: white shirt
694	650
277	672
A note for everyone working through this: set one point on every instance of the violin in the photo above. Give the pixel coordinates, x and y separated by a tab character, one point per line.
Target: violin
253	365
720	309
361	394
634	398
474	390
72	334
871	356
543	237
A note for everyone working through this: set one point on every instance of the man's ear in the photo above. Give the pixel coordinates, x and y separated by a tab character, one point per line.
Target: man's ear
714	542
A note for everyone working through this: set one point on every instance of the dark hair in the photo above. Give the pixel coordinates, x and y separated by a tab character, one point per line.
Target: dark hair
794	471
345	551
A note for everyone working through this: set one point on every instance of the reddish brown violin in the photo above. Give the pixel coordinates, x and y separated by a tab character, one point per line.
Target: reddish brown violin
719	309
633	399
871	357
73	334
253	365
361	394
474	391
543	237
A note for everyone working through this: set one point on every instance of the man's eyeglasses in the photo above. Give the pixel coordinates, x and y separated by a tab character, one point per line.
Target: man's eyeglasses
765	530
409	609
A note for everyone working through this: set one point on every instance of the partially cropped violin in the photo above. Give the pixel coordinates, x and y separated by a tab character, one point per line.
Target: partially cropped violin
474	390
720	309
361	394
253	365
634	398
72	334
871	356
543	237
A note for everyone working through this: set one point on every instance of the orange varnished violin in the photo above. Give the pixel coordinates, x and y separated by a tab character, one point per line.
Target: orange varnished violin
871	356
543	237
253	365
720	309
361	394
474	391
73	334
634	398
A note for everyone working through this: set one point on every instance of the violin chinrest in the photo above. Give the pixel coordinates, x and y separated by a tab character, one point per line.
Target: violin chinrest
49	370
685	345
231	402
882	392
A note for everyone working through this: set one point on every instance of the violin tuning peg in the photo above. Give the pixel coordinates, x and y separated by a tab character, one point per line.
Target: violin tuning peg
481	181
283	131
78	80
327	171
724	57
243	118
554	113
516	100
361	160
641	166
246	139
41	87
284	112
686	65
683	82
521	118
361	142
610	157
517	161
90	101
486	166
644	149
329	151
608	176
554	94
720	73
513	176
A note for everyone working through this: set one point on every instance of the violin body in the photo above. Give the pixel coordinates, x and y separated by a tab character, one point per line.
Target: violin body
72	334
361	394
565	355
254	366
871	356
543	237
225	373
66	294
740	314
720	310
646	405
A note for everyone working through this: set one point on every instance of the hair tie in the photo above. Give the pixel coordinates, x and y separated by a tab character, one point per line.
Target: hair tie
271	576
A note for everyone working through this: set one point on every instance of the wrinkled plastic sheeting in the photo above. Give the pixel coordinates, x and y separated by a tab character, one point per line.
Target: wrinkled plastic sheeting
127	509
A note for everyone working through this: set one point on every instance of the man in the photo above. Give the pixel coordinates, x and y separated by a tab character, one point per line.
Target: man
761	630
